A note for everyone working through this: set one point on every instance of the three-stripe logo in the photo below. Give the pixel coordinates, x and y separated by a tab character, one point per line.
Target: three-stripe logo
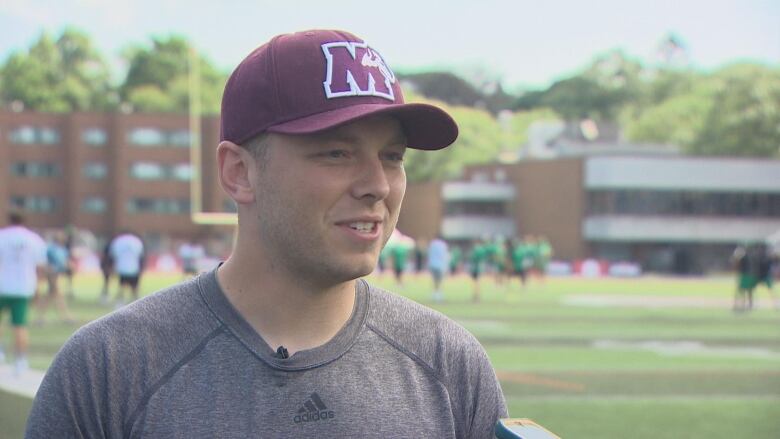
313	409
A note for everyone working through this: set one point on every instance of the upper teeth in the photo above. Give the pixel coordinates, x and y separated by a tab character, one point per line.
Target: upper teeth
362	227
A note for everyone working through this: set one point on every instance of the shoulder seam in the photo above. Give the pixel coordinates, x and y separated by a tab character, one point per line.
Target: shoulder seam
411	355
148	395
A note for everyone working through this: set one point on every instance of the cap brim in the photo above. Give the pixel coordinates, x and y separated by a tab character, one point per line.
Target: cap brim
426	126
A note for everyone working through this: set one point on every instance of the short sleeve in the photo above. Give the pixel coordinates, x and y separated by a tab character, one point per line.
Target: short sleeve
70	401
482	397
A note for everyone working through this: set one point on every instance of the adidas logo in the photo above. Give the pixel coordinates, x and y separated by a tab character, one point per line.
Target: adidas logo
313	410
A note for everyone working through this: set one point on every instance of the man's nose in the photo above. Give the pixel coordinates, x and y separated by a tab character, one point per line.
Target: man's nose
372	181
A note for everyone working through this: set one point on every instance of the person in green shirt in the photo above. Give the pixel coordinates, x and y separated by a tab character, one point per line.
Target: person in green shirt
398	254
543	256
497	258
521	260
746	280
477	258
456	254
381	263
532	254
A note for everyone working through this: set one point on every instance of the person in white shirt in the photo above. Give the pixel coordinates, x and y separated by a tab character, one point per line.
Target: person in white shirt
22	260
127	251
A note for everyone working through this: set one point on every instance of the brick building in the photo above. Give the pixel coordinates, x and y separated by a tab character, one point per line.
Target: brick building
669	213
107	172
110	172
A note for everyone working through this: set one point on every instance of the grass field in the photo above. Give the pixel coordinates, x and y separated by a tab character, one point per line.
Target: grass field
592	358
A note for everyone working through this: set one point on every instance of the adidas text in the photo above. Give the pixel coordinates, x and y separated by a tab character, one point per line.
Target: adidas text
314	416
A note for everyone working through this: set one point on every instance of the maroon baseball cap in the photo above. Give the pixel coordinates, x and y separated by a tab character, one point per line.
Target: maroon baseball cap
311	81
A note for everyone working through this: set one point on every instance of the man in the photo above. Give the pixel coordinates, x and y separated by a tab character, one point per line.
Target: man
70	241
190	254
398	254
746	280
438	261
22	260
521	260
543	257
57	261
127	252
107	268
284	339
765	271
477	259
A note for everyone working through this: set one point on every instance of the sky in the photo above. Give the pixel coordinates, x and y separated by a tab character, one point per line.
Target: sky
526	44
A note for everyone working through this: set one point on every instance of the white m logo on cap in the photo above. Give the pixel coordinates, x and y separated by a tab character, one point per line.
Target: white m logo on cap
354	69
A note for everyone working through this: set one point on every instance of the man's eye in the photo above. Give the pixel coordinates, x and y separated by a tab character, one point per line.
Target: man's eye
394	156
336	154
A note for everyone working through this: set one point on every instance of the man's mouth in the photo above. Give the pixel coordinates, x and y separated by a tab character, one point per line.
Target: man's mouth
363	227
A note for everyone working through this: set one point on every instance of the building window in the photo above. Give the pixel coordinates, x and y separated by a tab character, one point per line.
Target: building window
181	172
152	137
159	171
480	177
23	135
180	138
35	203
95	171
480	208
683	203
94	137
26	135
147	171
164	206
94	204
147	137
49	136
35	169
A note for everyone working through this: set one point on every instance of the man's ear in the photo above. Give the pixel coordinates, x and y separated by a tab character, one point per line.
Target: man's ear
235	165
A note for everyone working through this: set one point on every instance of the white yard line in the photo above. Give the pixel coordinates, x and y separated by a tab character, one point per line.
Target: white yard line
609	300
687	347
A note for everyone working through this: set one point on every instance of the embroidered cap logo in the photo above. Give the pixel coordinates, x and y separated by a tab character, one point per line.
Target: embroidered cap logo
353	70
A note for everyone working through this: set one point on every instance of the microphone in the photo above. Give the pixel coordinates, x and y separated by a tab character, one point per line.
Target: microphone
282	353
521	428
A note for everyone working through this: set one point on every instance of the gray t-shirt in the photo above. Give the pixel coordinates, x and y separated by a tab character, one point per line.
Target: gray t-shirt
183	363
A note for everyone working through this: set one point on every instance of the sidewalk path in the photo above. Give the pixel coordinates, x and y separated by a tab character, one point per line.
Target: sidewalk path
24	385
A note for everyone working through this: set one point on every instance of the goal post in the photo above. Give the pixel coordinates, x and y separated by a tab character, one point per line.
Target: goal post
197	214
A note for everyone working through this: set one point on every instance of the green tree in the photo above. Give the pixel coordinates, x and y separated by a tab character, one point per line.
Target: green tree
670	83
744	118
677	120
158	77
58	76
733	111
443	87
87	81
480	140
519	122
580	97
601	91
618	75
529	100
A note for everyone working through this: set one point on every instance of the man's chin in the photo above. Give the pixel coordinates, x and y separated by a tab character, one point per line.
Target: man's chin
357	269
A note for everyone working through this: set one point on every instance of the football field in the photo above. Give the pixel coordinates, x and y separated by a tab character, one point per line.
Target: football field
639	358
653	357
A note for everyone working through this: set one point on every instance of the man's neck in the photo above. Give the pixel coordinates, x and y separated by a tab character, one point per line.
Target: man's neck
283	310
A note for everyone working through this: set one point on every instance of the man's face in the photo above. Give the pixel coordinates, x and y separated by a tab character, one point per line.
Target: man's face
327	203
